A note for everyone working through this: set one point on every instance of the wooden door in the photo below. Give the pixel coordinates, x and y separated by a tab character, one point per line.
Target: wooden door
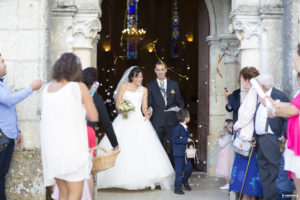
203	86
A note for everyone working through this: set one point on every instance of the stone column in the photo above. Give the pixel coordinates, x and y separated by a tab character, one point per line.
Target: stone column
247	27
75	29
86	26
62	32
226	45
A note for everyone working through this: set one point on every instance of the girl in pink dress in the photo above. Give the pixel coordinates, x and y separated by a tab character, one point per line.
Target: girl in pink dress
225	157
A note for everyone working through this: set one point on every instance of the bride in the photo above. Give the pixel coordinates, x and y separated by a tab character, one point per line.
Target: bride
143	161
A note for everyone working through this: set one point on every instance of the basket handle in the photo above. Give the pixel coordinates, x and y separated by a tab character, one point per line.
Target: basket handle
98	147
193	144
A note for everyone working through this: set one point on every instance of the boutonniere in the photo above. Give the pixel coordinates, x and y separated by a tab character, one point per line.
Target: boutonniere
173	92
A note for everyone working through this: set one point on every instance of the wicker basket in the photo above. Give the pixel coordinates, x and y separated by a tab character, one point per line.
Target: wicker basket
191	153
105	161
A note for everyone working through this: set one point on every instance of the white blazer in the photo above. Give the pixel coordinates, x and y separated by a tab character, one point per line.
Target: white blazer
245	116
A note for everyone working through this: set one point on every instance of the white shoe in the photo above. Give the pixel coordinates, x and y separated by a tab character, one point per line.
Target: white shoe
225	187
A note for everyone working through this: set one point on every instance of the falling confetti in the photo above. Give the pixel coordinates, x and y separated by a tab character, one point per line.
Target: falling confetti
70	40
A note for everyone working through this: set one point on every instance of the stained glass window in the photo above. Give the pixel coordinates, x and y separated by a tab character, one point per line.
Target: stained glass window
132	20
175	29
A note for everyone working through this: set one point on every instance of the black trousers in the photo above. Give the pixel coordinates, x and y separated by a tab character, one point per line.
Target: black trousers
5	159
163	132
268	159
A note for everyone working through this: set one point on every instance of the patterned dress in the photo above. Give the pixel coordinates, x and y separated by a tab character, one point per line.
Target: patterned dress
252	184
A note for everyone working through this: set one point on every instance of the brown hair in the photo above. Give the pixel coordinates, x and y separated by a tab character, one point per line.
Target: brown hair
249	72
67	67
298	49
159	62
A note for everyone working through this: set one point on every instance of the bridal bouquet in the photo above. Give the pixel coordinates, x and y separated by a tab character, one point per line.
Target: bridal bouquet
126	106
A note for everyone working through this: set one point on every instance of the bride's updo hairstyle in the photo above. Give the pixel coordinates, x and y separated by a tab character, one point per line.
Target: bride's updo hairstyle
134	73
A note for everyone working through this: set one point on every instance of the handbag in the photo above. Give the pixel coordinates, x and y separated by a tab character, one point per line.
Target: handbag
3	141
241	146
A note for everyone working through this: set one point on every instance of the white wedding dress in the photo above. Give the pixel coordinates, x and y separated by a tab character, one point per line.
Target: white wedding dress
142	162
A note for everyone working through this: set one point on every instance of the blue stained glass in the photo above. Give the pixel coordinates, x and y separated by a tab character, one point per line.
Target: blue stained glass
132	19
175	29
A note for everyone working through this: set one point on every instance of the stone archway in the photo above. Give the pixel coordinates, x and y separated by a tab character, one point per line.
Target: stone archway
223	56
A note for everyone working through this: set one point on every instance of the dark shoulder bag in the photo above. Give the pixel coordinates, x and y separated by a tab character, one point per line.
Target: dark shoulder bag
3	141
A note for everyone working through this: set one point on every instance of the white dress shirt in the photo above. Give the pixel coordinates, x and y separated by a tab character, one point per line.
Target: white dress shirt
261	118
184	125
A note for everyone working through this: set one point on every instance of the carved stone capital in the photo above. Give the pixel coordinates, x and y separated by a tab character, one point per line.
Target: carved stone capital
248	30
87	27
229	44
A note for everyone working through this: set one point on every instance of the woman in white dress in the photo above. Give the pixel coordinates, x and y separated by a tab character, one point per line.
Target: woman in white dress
64	141
143	161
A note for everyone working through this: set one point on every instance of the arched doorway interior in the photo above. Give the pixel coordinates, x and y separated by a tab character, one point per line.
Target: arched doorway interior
156	17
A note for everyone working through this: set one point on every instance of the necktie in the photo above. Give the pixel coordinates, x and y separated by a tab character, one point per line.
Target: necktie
163	90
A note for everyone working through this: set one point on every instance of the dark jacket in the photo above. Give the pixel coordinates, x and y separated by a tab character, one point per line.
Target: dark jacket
104	120
180	140
235	102
156	101
277	124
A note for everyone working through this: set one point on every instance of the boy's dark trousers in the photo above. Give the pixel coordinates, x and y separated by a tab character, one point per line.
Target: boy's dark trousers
182	165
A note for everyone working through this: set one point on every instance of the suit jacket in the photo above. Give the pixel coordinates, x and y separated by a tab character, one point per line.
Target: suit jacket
104	120
235	102
180	140
156	101
277	124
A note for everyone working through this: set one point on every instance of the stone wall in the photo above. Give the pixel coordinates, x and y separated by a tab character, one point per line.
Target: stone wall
223	44
24	44
33	33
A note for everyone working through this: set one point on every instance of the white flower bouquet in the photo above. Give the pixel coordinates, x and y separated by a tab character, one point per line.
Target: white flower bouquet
125	106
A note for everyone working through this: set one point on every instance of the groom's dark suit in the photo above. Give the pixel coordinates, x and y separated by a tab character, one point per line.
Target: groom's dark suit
162	121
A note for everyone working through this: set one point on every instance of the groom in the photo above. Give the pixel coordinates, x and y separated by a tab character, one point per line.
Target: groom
164	101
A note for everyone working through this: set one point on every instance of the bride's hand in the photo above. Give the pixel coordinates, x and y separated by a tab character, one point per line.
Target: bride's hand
147	117
150	111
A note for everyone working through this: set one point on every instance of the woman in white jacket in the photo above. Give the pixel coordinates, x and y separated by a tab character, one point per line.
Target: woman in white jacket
245	126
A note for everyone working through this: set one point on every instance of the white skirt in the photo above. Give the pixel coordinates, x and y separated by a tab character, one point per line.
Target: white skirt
292	162
142	161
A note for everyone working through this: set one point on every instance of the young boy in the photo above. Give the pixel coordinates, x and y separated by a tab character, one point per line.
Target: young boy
180	141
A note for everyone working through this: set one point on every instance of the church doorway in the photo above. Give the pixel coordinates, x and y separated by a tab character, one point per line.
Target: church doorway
189	67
